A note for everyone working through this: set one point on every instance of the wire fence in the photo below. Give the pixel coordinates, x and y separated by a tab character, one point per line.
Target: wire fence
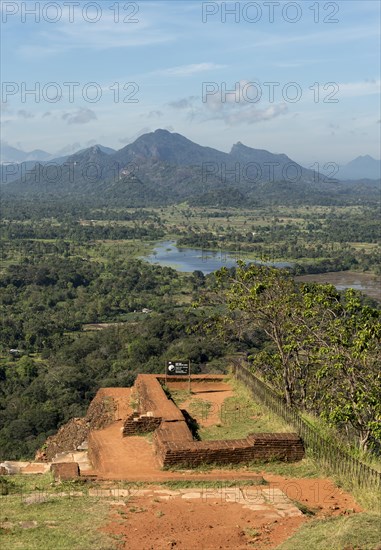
350	471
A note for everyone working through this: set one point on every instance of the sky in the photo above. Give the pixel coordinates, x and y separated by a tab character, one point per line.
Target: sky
300	78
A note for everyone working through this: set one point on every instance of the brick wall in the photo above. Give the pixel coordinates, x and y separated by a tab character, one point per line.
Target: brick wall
174	443
135	424
154	407
256	447
152	399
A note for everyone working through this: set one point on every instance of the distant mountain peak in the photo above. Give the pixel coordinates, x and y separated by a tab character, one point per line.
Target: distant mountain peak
362	167
363	157
240	149
12	154
237	146
162	131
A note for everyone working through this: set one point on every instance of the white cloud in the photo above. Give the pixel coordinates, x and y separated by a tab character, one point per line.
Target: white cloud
25	114
105	34
240	106
132	138
183	103
81	116
250	114
69	149
189	70
357	89
154	114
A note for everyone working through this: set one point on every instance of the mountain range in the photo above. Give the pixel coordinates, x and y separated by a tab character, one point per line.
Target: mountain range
362	167
162	167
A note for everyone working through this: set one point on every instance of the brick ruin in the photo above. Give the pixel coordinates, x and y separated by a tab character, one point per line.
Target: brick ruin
173	441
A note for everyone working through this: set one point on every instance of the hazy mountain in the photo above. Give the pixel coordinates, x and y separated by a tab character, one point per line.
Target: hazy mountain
363	167
107	150
261	165
243	165
14	170
170	148
11	154
80	173
163	167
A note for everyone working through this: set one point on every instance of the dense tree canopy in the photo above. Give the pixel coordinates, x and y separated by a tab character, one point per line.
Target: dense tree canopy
325	345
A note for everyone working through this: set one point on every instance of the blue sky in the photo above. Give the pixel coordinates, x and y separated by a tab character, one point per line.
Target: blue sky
171	61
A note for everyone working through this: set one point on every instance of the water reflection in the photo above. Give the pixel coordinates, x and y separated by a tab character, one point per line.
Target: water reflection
191	259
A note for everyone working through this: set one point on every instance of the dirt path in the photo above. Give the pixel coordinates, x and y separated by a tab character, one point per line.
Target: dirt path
149	524
320	494
123	457
202	518
212	519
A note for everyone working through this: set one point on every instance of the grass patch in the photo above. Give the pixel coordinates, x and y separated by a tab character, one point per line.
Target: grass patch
200	408
62	523
240	416
355	532
137	510
212	484
306	511
251	533
20	484
34	516
303	468
178	396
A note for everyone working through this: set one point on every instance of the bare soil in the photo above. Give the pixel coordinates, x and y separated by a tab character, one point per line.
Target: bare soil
154	522
149	523
187	525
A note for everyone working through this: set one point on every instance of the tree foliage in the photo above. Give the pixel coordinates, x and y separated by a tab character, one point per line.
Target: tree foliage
325	345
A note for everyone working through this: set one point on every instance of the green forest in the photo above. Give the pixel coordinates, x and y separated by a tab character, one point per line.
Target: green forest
81	309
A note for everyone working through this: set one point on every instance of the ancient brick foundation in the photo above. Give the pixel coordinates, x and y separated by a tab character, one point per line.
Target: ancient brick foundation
256	447
174	443
65	471
135	424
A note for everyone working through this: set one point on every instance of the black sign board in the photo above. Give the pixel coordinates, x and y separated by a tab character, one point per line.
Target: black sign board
177	368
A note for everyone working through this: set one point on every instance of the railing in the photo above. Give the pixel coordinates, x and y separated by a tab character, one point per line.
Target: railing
350	471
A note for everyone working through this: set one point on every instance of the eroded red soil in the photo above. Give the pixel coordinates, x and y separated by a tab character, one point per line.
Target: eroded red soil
150	523
156	522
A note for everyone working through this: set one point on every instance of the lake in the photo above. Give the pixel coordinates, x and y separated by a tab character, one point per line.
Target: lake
191	259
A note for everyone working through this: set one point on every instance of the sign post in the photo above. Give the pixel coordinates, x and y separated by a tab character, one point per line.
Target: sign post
178	368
